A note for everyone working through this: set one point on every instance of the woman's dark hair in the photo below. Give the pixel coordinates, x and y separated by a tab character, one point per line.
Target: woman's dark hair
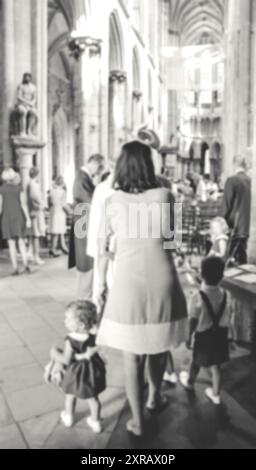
212	270
135	171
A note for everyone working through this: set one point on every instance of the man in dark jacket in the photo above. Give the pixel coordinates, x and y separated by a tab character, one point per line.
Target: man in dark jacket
86	180
236	209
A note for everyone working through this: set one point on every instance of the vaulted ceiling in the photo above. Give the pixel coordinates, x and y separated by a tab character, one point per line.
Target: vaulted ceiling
60	21
197	21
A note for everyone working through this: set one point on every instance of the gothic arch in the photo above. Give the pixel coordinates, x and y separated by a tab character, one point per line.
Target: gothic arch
204	149
150	90
116	43
136	69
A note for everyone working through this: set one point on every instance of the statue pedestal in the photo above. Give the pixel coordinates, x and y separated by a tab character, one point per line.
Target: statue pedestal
25	148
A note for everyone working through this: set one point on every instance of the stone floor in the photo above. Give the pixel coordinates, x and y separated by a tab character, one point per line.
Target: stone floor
31	321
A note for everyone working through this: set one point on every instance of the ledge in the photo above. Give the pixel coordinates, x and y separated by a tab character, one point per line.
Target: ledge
28	142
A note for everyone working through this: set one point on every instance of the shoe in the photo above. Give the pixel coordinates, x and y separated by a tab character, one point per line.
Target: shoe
30	256
16	272
133	429
171	378
54	254
94	425
39	262
28	270
67	419
157	406
184	376
65	251
215	399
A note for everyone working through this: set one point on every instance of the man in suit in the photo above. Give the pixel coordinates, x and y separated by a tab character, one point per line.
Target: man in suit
86	180
236	209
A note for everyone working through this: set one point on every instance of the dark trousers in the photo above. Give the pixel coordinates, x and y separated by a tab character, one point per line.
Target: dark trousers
238	249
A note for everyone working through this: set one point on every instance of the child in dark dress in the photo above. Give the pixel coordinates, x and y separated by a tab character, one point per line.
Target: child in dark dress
209	313
84	374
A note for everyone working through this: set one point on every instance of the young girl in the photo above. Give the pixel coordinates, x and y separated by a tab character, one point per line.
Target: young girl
84	375
219	230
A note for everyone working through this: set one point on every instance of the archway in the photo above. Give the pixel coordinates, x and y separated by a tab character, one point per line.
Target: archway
216	160
115	43
204	160
151	121
61	152
117	87
136	94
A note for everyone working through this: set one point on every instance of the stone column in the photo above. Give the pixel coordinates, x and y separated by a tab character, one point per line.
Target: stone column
24	44
17	41
94	104
39	69
88	98
8	75
25	148
117	94
136	109
237	81
252	241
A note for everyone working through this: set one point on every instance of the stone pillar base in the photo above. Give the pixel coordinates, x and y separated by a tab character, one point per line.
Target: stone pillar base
25	148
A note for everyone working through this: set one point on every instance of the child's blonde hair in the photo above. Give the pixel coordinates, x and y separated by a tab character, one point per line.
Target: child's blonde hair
85	312
222	223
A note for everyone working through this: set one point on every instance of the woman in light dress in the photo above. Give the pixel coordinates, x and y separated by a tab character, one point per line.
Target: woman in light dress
145	313
58	216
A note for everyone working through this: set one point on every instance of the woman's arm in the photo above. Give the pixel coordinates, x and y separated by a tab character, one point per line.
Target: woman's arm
1	204
65	357
103	257
222	248
25	209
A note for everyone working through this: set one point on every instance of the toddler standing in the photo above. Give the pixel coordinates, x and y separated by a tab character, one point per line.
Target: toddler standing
84	374
209	319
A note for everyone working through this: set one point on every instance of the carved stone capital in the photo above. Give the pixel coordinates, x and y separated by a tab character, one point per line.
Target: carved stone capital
117	76
136	94
27	142
78	44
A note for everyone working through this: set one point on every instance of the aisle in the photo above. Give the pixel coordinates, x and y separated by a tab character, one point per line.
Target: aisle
31	321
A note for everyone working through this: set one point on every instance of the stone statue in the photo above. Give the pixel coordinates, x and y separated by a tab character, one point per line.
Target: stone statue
25	113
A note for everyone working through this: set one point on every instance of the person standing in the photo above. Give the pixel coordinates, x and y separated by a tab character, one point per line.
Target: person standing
36	211
86	180
57	216
210	317
15	218
145	313
236	209
103	191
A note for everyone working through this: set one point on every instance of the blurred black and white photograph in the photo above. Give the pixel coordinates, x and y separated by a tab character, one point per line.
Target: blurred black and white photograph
127	226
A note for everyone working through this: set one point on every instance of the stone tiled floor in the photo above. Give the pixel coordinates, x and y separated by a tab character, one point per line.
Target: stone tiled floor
31	321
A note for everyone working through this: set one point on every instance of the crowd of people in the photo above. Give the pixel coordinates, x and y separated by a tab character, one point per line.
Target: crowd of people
129	294
23	219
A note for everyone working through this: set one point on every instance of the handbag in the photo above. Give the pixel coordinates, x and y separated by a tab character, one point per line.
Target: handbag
97	371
